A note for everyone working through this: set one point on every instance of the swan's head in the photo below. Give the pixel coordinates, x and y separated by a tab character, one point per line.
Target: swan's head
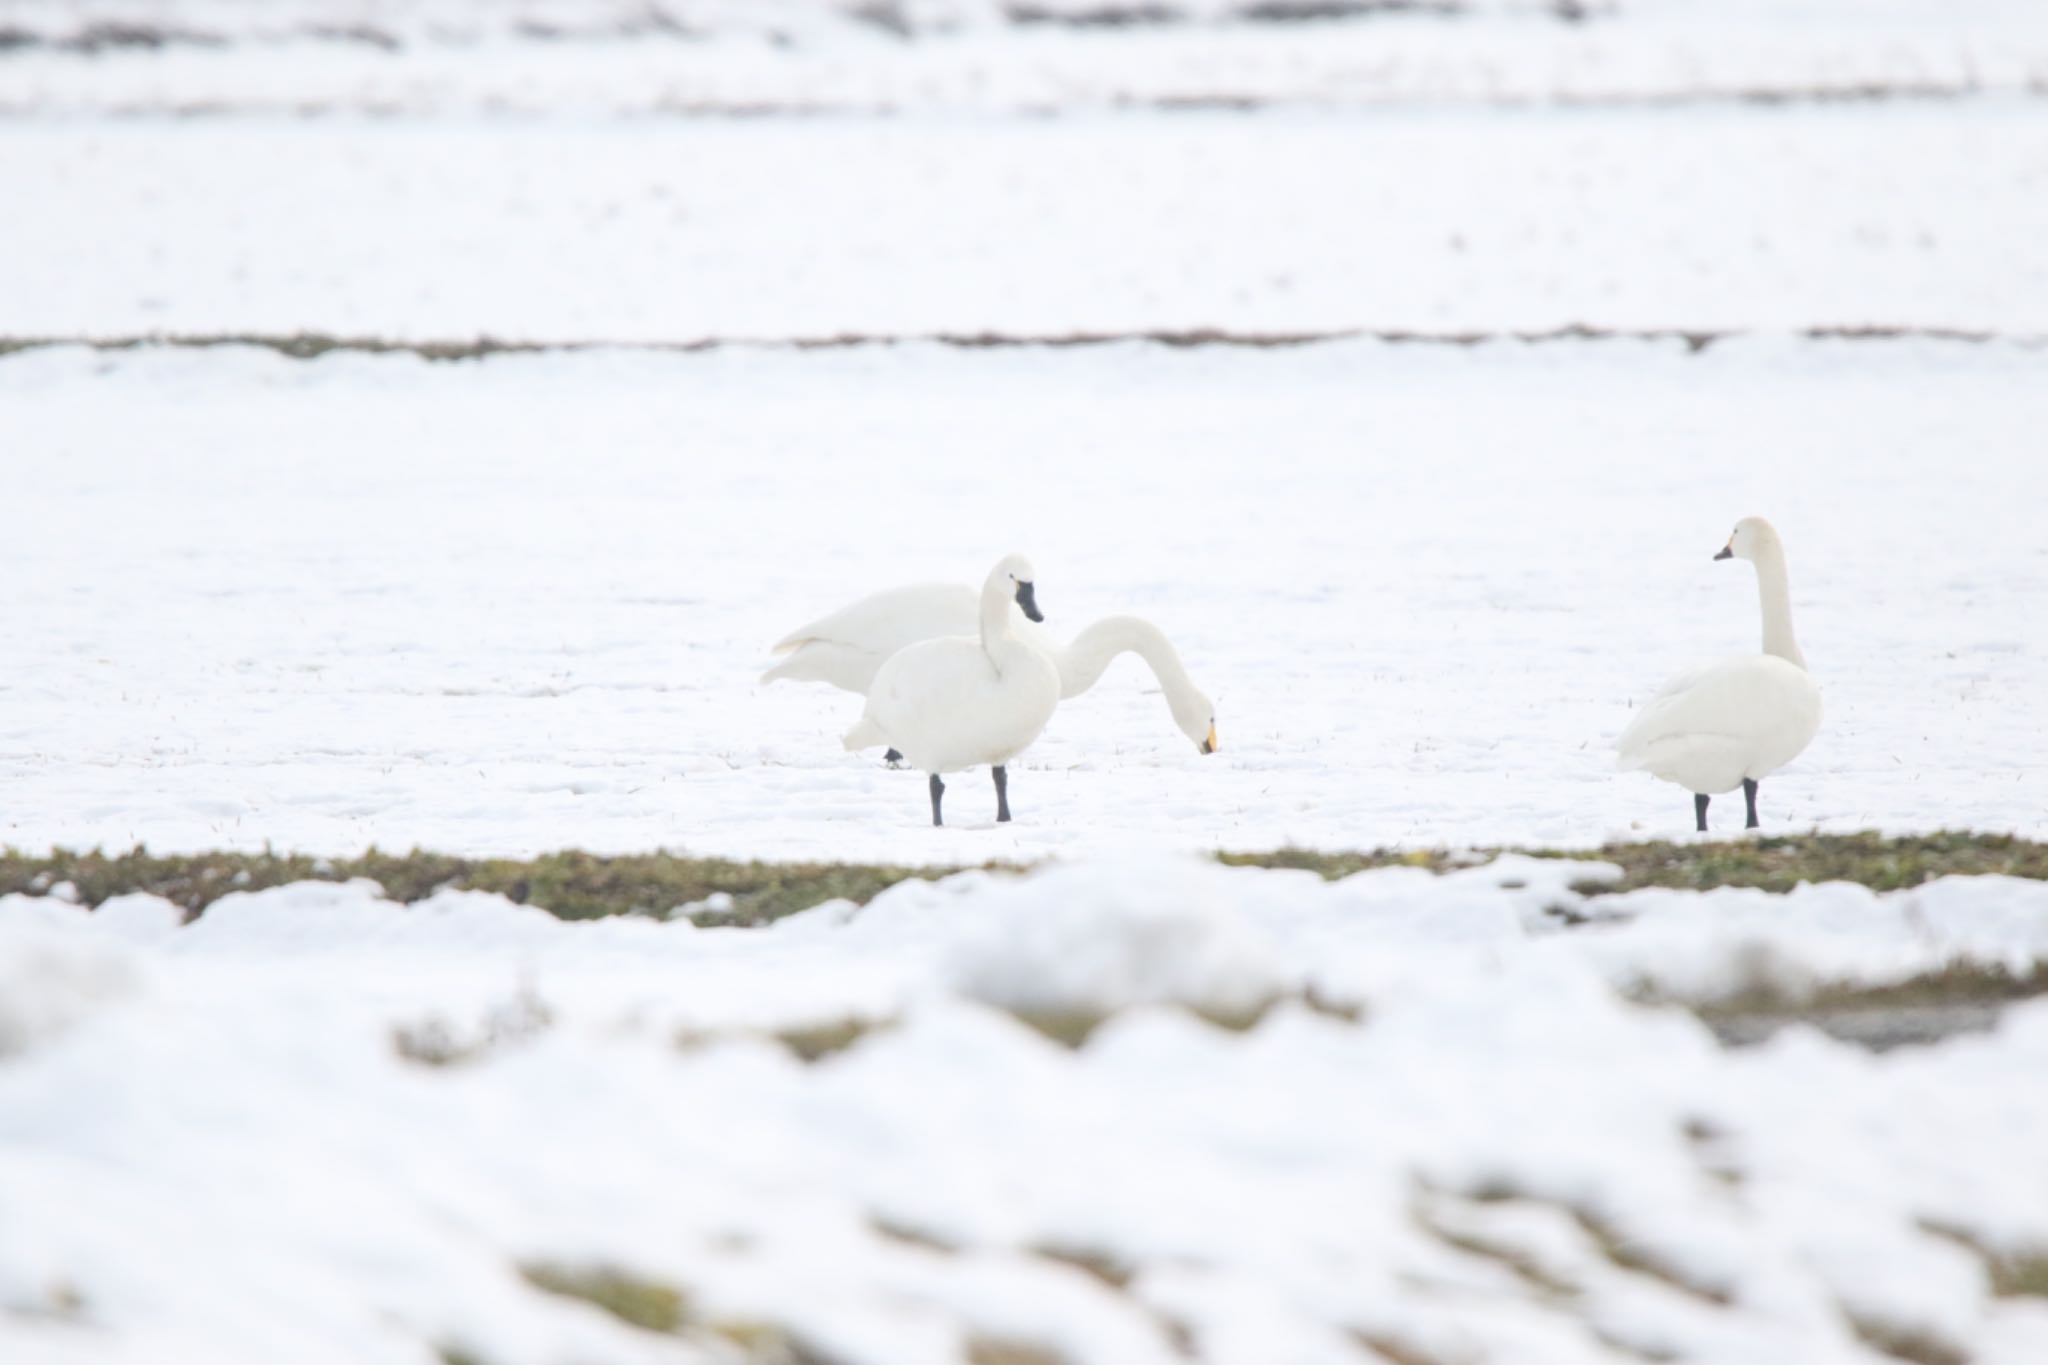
1023	584
1195	714
1750	538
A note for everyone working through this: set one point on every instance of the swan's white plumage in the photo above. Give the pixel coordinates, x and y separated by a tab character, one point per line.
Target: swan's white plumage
963	702
1712	727
849	646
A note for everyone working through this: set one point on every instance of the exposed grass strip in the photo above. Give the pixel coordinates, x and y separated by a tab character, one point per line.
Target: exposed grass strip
313	345
1774	863
577	885
571	884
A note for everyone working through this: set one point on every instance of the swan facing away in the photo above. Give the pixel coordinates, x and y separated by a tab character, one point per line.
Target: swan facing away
847	647
1735	722
959	701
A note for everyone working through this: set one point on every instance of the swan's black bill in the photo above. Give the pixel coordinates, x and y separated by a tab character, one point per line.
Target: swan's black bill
1727	552
1027	598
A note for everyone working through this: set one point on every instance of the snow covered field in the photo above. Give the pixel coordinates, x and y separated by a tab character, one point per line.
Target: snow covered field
519	604
680	230
318	1126
1567	296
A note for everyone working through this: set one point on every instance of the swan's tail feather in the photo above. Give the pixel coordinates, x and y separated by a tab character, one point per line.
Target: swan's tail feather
774	671
865	735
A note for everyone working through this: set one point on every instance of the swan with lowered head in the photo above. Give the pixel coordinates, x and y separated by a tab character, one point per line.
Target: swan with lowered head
847	647
960	701
1735	722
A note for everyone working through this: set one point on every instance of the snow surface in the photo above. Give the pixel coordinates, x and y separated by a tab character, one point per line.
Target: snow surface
516	604
521	604
678	230
212	1147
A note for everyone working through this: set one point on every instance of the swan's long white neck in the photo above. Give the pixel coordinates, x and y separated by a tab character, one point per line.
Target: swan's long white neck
1774	595
1092	651
998	637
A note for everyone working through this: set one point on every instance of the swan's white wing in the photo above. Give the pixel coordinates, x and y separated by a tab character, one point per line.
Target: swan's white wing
887	621
1665	707
1713	725
845	648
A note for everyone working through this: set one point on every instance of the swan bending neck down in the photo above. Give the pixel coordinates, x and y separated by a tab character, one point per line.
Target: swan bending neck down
1082	663
959	702
849	646
1734	722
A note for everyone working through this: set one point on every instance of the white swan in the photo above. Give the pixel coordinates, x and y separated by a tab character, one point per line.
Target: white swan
960	702
1734	722
848	646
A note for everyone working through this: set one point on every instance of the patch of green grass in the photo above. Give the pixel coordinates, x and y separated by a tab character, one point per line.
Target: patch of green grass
1769	863
2013	1274
1073	1028
1540	1278
296	345
1106	1266
1635	1255
1392	1349
806	1042
1332	866
433	1041
570	884
1604	1235
910	1234
1906	1341
815	1042
1781	862
1002	1351
2023	1273
643	1303
1954	985
577	885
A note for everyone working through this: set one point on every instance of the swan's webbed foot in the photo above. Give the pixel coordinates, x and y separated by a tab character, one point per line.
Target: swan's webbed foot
1749	794
938	790
893	758
1002	777
1699	810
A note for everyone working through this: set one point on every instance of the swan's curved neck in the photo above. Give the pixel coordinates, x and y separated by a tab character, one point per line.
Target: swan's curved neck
1774	595
1092	651
996	632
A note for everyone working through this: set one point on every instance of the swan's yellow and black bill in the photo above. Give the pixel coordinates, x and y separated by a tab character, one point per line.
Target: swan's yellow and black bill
1727	551
1027	598
1209	744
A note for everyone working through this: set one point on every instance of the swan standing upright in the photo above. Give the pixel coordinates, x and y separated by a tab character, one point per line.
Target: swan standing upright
847	647
960	702
1735	722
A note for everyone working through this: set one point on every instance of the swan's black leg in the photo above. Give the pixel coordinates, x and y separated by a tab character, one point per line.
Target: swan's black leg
1002	777
1699	809
1749	794
892	758
938	790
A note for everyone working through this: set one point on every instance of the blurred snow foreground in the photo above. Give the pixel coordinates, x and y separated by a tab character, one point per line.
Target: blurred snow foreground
1123	1111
